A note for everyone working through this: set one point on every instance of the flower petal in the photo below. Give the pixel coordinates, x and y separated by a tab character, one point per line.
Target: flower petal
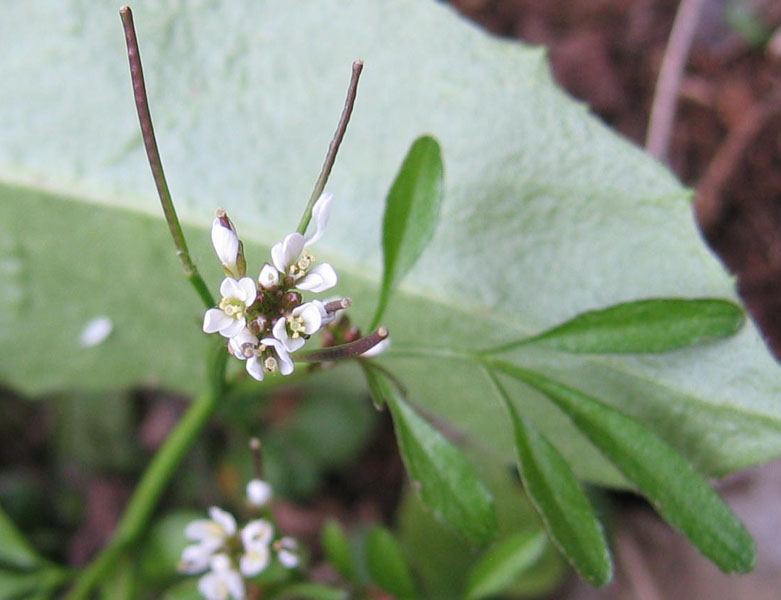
255	368
215	320
195	559
286	252
229	288
286	365
321	278
258	493
257	533
224	519
320	212
249	290
269	277
255	561
226	245
238	341
378	349
310	314
234	328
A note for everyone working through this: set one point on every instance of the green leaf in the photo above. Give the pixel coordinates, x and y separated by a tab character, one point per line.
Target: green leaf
557	496
337	550
547	213
503	564
411	212
677	491
379	386
387	566
15	550
311	591
16	585
184	590
656	325
446	481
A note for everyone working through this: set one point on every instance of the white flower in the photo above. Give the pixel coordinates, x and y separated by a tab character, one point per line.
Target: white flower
320	213
282	361
377	349
269	277
256	537
287	549
262	356
229	318
258	492
285	254
304	320
319	279
226	244
223	581
195	559
212	533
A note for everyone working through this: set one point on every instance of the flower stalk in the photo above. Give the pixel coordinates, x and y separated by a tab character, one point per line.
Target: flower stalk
153	155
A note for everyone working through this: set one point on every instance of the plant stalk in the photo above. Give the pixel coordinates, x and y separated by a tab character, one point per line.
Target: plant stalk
153	154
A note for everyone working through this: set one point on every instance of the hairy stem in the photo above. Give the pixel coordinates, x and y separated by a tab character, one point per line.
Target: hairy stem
349	350
333	147
152	153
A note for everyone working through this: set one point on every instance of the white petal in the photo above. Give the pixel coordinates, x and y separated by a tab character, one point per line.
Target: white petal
239	340
279	331
310	313
229	288
255	561
226	244
288	559
224	519
320	212
258	492
257	533
269	277
235	584
287	251
255	368
286	365
95	332
195	559
206	532
249	290
321	278
210	586
215	320
234	328
377	349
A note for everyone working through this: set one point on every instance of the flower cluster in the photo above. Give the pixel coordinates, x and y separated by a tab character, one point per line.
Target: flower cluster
265	319
227	555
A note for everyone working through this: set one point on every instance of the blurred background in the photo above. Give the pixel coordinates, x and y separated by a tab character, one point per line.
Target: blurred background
69	463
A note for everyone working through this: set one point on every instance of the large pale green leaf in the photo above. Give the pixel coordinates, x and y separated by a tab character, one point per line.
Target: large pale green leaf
546	215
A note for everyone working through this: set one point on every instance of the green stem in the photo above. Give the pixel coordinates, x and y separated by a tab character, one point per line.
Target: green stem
154	481
153	155
333	147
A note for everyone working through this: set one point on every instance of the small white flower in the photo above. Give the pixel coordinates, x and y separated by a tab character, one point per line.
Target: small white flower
258	492
320	213
287	552
195	559
378	349
95	332
319	279
256	537
212	533
223	581
285	254
304	320
269	277
281	361
229	318
226	244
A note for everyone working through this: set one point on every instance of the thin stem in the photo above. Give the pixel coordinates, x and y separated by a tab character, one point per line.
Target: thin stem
333	148
154	481
152	153
349	350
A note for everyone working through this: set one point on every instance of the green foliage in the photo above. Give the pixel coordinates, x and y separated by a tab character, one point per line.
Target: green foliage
440	473
678	492
337	549
311	591
411	212
643	326
387	565
504	564
163	545
15	550
563	506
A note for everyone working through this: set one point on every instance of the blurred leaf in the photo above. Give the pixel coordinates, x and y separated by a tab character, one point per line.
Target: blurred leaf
311	591
643	326
15	550
411	212
442	476
15	585
564	508
678	492
184	590
121	583
547	213
337	550
387	566
503	564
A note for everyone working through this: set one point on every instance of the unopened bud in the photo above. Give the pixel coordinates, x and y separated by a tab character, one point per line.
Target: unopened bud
258	325
291	299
